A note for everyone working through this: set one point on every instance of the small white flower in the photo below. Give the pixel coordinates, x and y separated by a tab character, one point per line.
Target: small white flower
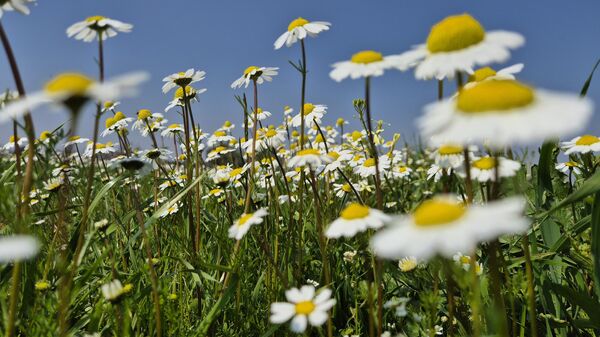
355	218
17	248
95	26
299	29
581	144
182	79
112	291
254	73
309	157
242	225
303	307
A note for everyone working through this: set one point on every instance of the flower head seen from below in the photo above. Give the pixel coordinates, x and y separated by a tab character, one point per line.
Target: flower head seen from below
355	218
312	158
444	226
256	74
502	113
17	248
459	43
366	63
581	144
489	74
73	91
299	29
303	306
241	226
182	79
95	26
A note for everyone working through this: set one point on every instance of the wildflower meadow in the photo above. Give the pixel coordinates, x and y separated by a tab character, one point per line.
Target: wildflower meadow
279	223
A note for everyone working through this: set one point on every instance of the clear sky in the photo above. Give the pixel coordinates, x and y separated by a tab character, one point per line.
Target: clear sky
224	37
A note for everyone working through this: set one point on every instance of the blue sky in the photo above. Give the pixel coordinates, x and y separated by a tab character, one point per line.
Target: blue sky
224	37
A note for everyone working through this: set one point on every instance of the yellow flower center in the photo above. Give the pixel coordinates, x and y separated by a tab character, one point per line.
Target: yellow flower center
334	155
95	18
215	191
220	149
308	108
446	150
73	83
299	22
571	164
437	212
369	162
305	307
587	140
402	169
227	124
45	135
236	172
144	114
220	134
347	188
110	121
244	218
366	57
356	135
173	126
482	74
319	139
455	33
355	211
119	116
74	138
339	122
108	104
249	70
271	133
485	163
465	259
189	92
494	96
308	152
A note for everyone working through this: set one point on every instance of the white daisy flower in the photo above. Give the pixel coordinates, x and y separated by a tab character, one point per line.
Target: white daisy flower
182	79
339	159
17	248
299	29
18	5
502	113
401	171
254	73
172	130
458	44
219	137
367	168
74	140
449	156
94	26
489	74
116	123
312	158
366	63
312	113
73	90
444	226
171	210
216	192
484	169
581	144
12	143
355	218
241	226
287	110
105	148
568	167
304	307
342	190
407	264
191	94
112	290
217	152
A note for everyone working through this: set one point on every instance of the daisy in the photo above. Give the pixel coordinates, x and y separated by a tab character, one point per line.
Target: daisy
227	126
342	190
464	261
444	226
309	157
581	144
367	168
169	211
366	63
216	192
12	143
219	137
304	307
254	73
401	171
458	43
54	184
338	160
217	152
117	123
191	94
172	130
449	156
299	29
105	148
484	169
74	140
182	79
407	264
112	290
568	167
73	90
312	113
241	226
287	110
488	74
17	248
18	5
355	218
96	26
502	113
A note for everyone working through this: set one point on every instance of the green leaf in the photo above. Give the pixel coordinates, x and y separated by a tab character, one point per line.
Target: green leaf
218	307
589	187
589	304
587	83
596	242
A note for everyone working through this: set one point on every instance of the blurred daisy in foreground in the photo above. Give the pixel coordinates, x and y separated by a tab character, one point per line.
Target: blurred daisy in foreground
355	218
12	5
241	226
502	113
112	290
444	226
94	26
17	248
312	158
74	90
458	43
182	79
569	167
299	29
254	73
366	63
581	144
303	307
